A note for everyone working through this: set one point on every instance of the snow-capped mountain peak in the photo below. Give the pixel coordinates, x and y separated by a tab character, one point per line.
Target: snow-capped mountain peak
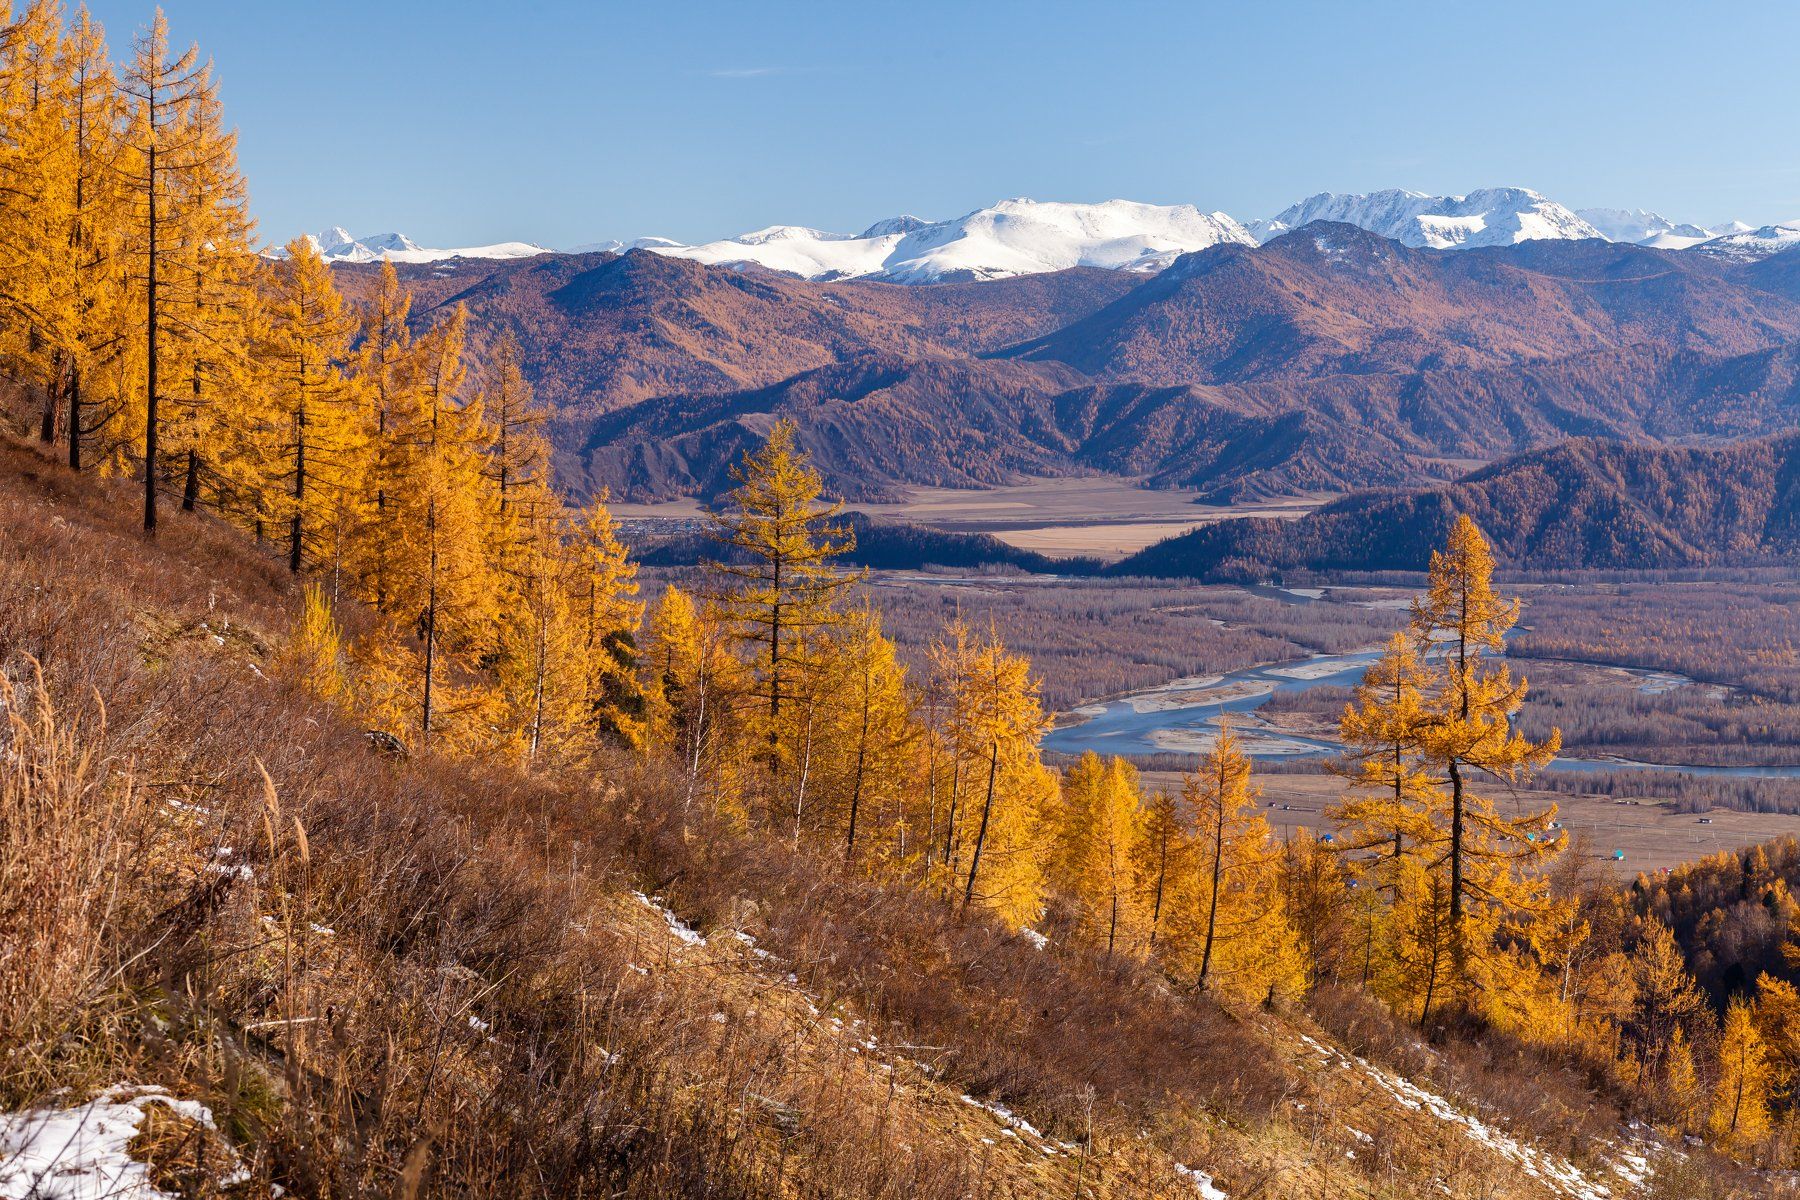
1014	237
1748	245
336	245
906	223
1644	228
1486	217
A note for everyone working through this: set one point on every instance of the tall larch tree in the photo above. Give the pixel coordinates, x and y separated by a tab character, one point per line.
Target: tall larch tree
97	230
693	683
780	550
162	87
447	587
1102	825
388	368
1231	846
603	603
520	453
1000	720
1740	1115
873	727
1163	845
315	444
1467	732
36	205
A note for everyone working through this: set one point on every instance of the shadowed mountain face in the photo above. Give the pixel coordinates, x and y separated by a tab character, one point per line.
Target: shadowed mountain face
1330	359
1583	503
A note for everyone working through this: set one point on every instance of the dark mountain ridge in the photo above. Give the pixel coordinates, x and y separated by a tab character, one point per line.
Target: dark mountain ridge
1581	504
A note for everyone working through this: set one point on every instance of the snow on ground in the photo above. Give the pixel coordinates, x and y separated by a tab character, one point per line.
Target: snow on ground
1202	1181
82	1153
1557	1172
684	933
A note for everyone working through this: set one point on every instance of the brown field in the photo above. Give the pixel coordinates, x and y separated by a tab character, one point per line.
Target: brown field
1101	516
1652	834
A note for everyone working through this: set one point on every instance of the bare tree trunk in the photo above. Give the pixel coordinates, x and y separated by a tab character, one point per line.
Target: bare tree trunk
987	809
150	366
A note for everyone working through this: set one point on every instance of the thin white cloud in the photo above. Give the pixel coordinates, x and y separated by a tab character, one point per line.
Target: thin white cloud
746	72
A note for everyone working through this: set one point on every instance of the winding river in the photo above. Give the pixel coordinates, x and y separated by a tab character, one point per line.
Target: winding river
1183	716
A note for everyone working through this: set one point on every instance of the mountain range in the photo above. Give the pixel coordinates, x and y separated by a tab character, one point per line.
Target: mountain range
1580	504
1021	236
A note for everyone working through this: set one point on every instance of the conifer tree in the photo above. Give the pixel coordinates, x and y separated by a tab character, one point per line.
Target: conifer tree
1163	845
1666	998
602	597
874	724
1102	826
1467	728
315	444
1681	1083
388	369
997	720
446	585
1230	844
780	544
519	454
36	205
173	168
95	120
1740	1105
693	682
1393	807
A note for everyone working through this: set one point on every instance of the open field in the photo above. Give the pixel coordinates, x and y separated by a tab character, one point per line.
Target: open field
1099	516
1652	834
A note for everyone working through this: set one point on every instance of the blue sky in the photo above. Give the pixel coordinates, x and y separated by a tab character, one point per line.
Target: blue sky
467	121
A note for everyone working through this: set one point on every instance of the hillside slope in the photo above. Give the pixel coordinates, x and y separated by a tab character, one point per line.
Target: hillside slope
367	971
1581	504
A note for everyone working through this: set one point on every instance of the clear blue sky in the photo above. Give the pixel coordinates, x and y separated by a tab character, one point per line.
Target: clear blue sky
460	122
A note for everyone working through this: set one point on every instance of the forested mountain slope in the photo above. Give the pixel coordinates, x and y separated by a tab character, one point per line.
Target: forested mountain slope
1583	503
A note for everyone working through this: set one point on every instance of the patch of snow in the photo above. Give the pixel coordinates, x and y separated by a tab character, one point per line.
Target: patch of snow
1551	1169
82	1153
684	933
1035	938
1007	1116
1204	1182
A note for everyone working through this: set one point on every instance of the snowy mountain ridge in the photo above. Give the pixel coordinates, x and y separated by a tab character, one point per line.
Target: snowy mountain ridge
1488	217
1013	237
1024	237
337	246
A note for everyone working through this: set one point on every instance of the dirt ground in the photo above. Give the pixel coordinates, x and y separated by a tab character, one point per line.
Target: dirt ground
1651	834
